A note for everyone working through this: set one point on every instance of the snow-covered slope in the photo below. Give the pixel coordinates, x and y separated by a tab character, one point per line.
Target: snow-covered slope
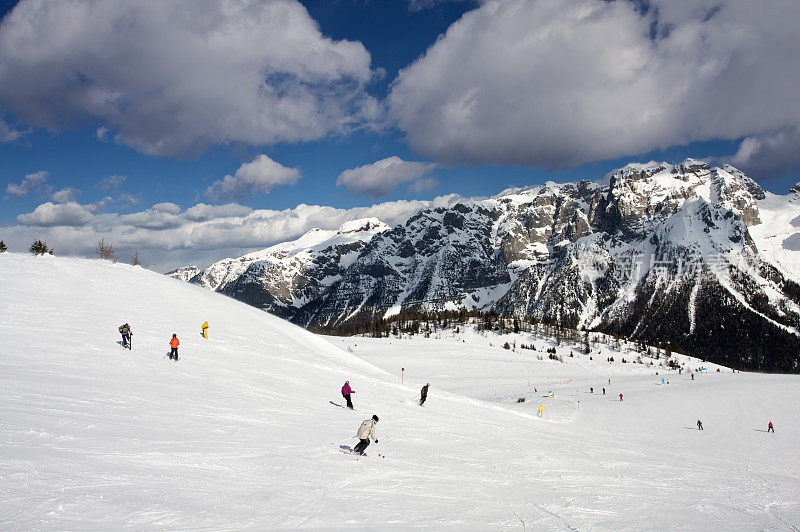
241	432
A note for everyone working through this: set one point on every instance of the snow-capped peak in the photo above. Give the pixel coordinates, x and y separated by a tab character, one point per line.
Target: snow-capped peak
363	224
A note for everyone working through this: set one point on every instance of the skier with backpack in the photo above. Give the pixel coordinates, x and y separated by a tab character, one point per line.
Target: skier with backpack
125	331
365	432
346	391
173	344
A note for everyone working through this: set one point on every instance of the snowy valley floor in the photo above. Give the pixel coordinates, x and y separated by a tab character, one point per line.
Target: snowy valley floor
241	433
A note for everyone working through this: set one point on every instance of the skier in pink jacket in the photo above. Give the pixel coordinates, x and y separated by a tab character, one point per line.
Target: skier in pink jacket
346	391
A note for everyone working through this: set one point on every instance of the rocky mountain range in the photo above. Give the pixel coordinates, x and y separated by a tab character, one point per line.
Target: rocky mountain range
696	257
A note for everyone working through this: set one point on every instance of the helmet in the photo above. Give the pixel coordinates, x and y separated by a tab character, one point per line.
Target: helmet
174	335
375	417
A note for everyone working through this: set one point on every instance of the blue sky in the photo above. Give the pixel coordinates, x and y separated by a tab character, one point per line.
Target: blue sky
117	118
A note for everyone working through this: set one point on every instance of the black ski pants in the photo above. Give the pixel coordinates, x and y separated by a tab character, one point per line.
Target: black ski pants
173	353
360	446
349	402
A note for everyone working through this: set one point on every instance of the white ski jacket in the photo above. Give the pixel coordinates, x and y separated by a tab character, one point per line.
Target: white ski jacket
366	430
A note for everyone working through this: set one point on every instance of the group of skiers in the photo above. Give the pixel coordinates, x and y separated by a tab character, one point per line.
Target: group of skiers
367	428
127	335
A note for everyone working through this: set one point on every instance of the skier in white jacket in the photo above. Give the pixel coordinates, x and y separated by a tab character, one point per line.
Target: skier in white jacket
365	432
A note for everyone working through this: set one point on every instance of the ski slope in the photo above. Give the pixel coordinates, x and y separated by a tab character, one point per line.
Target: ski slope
242	432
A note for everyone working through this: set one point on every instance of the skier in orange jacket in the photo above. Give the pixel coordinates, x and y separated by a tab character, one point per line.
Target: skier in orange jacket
174	343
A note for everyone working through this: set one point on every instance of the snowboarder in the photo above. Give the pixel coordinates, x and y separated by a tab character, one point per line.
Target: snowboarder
423	394
125	331
205	330
173	344
365	431
620	397
346	391
699	425
770	428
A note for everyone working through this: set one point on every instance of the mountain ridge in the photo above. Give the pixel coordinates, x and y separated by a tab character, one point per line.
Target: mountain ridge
665	253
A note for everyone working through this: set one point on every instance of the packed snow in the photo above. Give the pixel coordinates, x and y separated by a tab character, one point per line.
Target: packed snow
244	431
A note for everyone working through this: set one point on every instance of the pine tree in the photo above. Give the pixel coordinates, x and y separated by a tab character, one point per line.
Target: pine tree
135	259
3	247
39	248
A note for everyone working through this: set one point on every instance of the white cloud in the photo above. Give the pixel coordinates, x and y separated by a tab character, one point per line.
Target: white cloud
176	77
10	134
564	82
202	212
257	176
769	155
161	216
379	178
167	207
111	183
199	235
61	214
28	184
127	198
65	195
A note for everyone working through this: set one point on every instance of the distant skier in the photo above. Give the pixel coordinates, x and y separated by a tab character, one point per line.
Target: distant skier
365	432
620	398
591	390
699	425
346	391
604	391
770	428
423	394
692	376
125	331
173	344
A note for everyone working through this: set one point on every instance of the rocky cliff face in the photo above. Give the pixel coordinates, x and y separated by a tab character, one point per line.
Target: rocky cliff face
663	253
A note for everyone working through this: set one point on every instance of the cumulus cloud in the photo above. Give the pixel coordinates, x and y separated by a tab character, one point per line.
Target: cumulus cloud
161	216
65	195
257	176
167	207
111	183
202	212
769	155
199	235
379	178
564	82
48	214
28	184
175	77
